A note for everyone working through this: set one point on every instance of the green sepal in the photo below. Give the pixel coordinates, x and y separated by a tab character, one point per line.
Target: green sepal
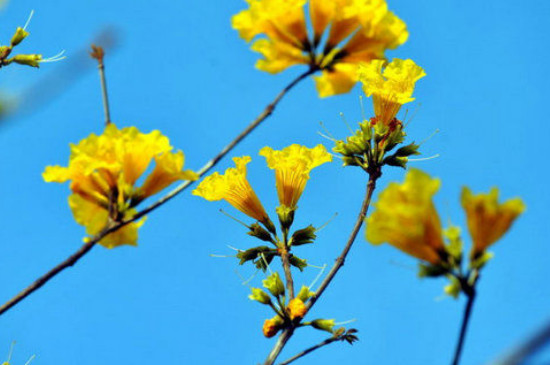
18	37
454	288
303	236
295	261
286	216
323	325
32	60
260	296
430	271
354	161
408	150
259	232
264	259
481	260
252	253
454	245
304	294
274	284
394	160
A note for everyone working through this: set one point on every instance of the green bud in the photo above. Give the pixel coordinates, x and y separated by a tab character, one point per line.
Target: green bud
454	246
286	216
297	262
366	128
408	150
18	37
260	296
430	271
481	260
32	60
341	148
323	324
303	236
259	232
396	161
305	294
252	253
353	161
274	284
454	288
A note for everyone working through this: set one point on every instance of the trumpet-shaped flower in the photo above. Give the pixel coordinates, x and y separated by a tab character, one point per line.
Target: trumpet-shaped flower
104	171
360	31
235	189
488	220
292	166
390	88
406	218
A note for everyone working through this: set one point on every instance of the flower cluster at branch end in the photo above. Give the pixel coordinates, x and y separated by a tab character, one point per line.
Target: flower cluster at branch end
406	218
353	32
104	171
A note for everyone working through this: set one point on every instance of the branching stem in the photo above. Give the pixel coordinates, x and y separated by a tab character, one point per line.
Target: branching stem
91	241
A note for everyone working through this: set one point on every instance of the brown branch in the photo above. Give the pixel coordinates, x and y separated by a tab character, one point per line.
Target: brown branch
286	267
328	341
112	228
99	54
524	351
287	333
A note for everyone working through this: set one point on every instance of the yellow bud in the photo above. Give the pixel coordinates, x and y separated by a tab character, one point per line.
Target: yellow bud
296	309
18	37
272	326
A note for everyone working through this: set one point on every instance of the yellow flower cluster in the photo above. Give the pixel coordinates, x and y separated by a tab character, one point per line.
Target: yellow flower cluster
360	31
406	218
292	166
390	88
104	171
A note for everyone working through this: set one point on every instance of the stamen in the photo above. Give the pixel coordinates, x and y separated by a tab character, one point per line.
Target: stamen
330	136
235	219
424	159
345	322
346	123
31	359
11	351
318	276
28	20
363	114
429	137
58	57
327	222
265	262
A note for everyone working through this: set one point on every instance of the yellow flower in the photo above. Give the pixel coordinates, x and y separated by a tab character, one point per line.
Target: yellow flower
104	170
272	326
406	218
235	189
369	26
391	88
292	166
296	309
488	220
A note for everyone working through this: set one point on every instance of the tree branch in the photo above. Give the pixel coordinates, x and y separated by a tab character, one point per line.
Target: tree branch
287	333
114	227
328	341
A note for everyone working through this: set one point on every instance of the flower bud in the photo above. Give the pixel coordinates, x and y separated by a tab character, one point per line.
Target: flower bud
32	60
274	284
18	37
257	231
272	326
286	216
323	324
260	296
305	294
304	236
296	309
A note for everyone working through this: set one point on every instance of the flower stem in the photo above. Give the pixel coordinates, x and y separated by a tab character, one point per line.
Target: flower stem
328	341
99	54
91	241
287	333
288	273
465	320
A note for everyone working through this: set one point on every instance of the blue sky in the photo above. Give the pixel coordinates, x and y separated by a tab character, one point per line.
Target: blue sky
181	68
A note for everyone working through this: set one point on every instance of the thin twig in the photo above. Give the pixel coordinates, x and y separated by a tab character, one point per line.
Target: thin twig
286	267
91	241
99	54
465	320
524	351
287	333
328	341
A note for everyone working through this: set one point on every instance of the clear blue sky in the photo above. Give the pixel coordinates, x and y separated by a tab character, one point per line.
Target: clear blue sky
181	68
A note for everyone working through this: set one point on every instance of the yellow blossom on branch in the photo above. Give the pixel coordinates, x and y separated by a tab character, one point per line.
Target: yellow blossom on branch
292	166
272	326
296	309
391	87
234	188
104	171
360	31
488	220
406	218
